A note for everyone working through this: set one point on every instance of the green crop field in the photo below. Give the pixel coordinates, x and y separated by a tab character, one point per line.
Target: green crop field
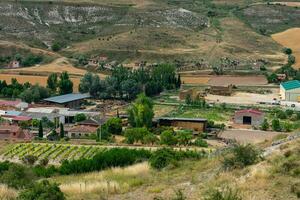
54	152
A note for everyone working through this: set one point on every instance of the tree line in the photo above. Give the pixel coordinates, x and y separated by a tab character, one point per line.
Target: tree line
127	84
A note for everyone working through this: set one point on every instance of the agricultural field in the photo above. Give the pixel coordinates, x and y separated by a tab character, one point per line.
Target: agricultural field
54	152
41	80
290	39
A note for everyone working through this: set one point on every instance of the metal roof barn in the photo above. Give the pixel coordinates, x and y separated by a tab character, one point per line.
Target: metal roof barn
67	98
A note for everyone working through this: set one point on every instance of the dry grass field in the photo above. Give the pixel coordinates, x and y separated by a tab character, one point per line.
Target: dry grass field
41	80
188	79
238	80
290	38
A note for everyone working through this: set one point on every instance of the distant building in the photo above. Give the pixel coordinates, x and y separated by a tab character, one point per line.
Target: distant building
14	64
68	100
13	104
249	117
193	93
13	132
221	90
196	124
80	131
290	91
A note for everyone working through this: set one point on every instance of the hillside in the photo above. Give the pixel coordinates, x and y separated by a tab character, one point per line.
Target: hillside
152	30
276	178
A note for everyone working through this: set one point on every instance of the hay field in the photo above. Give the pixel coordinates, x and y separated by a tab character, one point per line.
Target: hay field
290	3
41	80
238	80
290	38
57	66
188	79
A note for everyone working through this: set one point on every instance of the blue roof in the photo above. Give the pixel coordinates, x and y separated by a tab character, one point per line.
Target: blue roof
13	113
289	85
67	98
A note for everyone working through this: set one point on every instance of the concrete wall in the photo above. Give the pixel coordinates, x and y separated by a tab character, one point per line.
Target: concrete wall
292	95
256	119
197	126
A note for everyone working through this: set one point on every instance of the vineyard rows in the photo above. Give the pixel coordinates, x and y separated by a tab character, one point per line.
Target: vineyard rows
54	152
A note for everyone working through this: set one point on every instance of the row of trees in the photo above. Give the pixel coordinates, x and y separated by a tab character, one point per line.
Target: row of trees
126	84
286	69
26	61
34	93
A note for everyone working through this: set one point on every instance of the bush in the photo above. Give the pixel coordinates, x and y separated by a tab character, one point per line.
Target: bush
184	137
114	126
287	51
166	156
42	190
281	114
295	188
225	193
162	158
135	135
116	157
42	171
265	125
17	176
29	159
276	125
200	142
80	117
241	156
168	137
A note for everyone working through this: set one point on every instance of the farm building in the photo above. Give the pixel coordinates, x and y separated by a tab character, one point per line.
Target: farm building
13	132
194	94
290	91
249	117
13	104
196	124
221	90
80	131
68	100
14	64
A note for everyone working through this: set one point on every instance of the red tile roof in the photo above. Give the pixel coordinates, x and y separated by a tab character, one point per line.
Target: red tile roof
21	118
11	128
256	112
9	103
83	129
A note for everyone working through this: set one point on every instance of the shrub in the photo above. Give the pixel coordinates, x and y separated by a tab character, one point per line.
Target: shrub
287	51
241	156
168	137
184	137
116	157
135	135
29	159
114	126
42	171
281	114
80	117
265	125
42	190
289	112
295	188
17	176
225	193
162	158
276	125
200	142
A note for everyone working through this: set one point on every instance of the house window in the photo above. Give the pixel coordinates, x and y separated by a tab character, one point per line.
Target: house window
14	134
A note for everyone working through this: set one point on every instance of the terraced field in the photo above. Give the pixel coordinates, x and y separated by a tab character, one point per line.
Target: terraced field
54	152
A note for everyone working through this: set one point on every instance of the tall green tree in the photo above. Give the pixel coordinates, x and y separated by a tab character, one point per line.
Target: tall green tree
41	134
65	84
52	82
62	131
141	112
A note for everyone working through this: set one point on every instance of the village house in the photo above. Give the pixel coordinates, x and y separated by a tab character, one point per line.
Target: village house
8	105
249	117
80	131
196	124
290	91
13	64
13	132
